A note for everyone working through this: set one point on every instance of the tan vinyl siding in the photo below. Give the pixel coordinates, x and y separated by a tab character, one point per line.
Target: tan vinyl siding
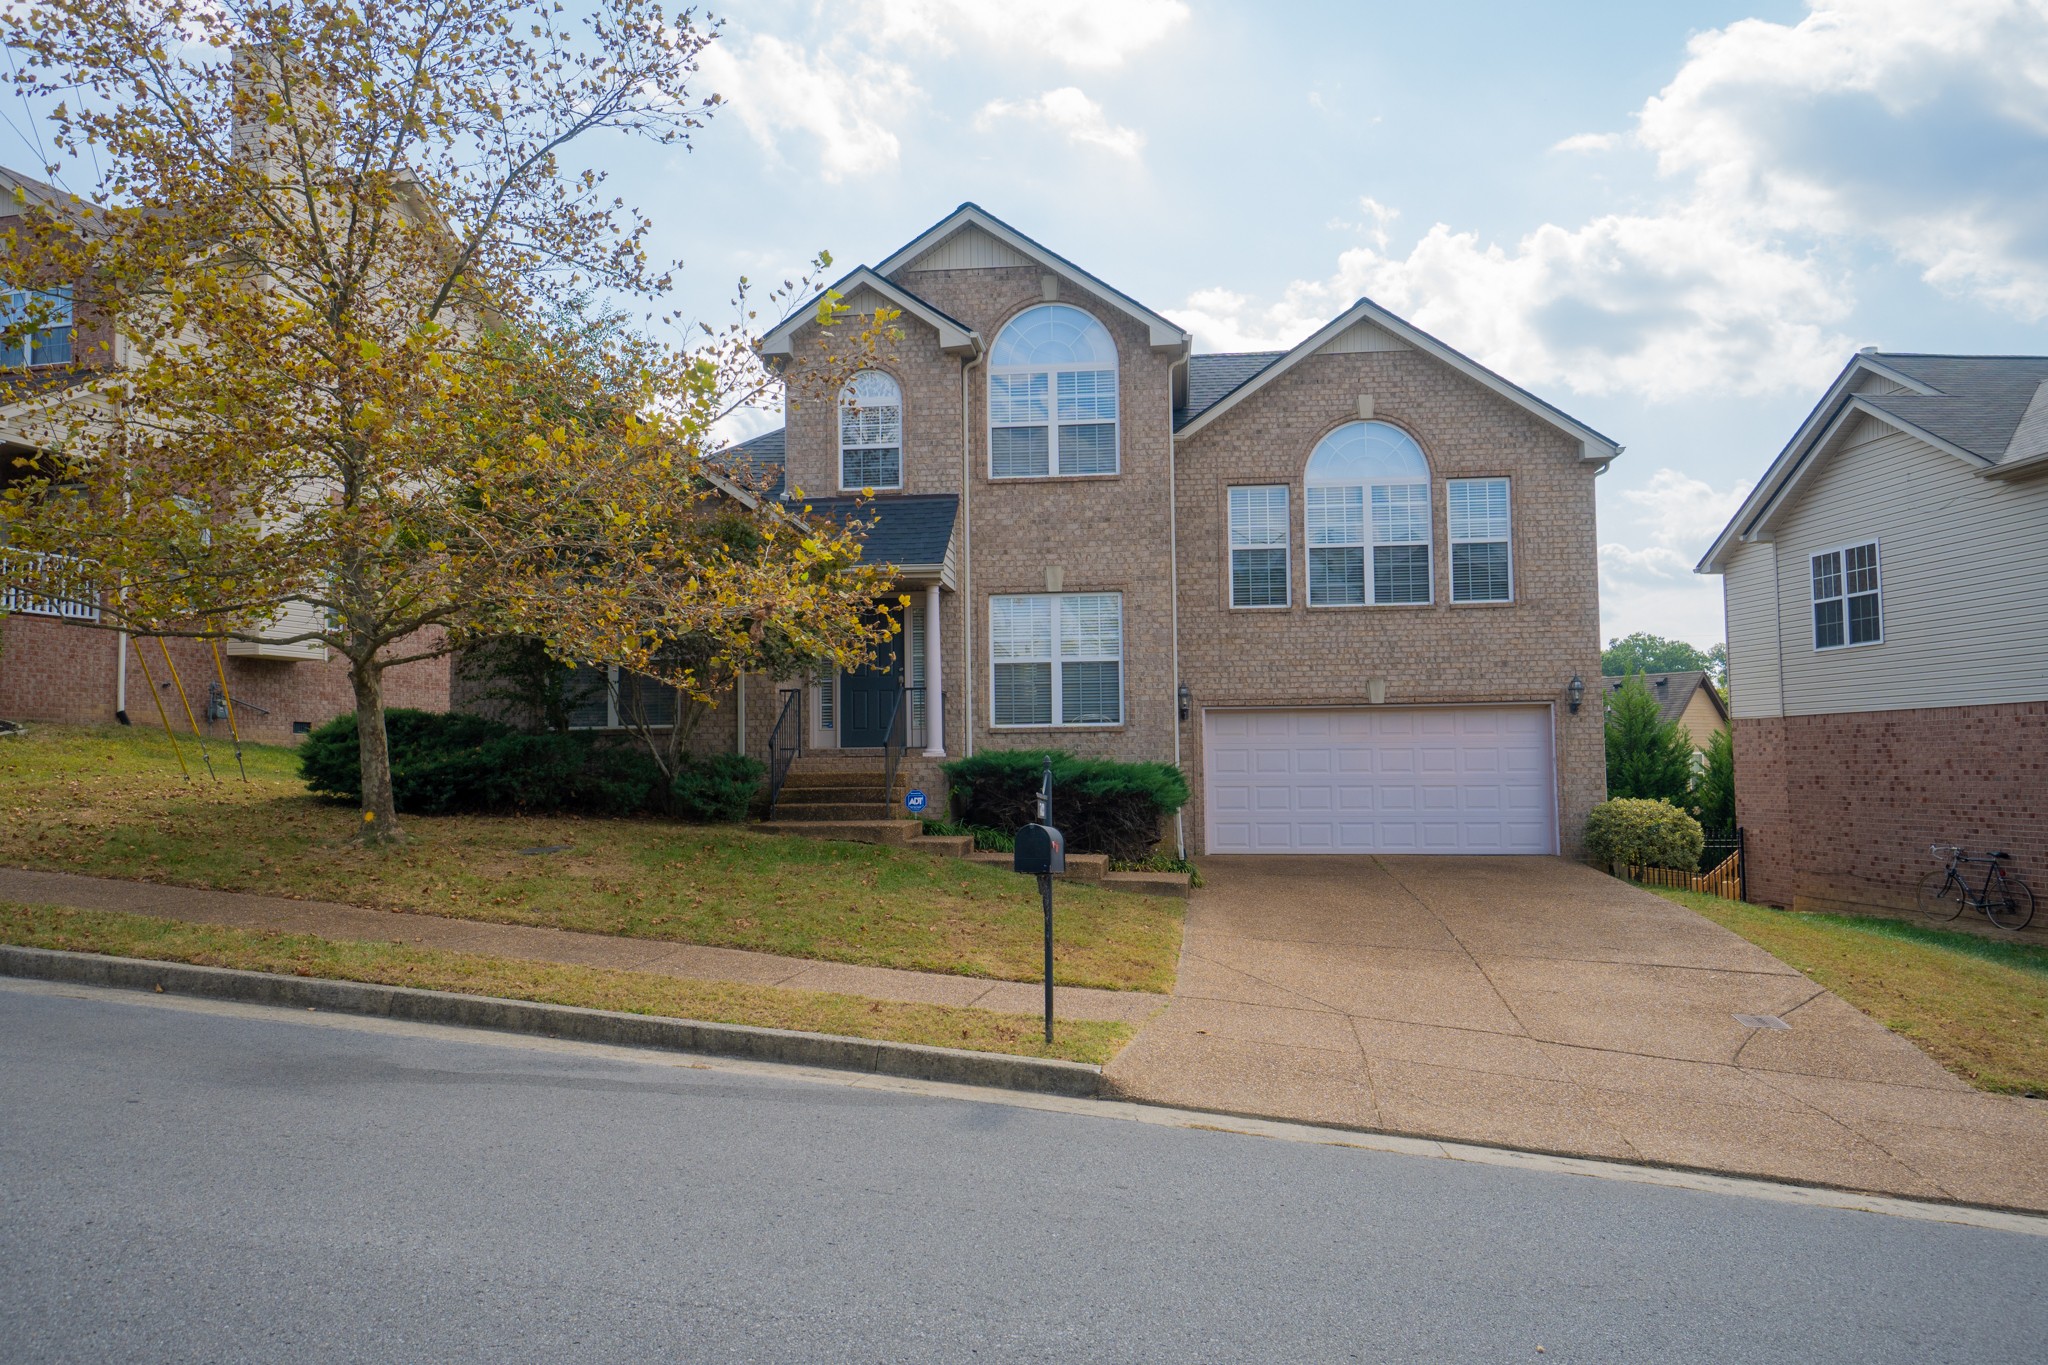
1964	567
1751	596
1363	338
969	249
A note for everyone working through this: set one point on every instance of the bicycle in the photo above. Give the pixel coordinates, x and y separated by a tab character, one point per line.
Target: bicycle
2005	900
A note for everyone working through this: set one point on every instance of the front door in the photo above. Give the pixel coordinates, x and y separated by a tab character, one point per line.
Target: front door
867	697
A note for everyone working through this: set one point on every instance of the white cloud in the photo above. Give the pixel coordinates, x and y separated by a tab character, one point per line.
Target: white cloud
1918	125
1070	111
1080	33
1652	586
1684	513
839	100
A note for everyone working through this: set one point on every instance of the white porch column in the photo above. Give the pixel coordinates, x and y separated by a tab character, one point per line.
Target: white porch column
934	689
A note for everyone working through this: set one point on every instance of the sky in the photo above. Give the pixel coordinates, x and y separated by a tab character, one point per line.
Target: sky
1677	221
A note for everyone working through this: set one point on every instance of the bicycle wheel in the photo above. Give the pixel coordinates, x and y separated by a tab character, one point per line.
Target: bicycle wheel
1942	896
2009	903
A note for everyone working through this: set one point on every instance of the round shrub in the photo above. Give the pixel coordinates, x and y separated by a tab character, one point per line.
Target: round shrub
716	788
1643	833
1102	806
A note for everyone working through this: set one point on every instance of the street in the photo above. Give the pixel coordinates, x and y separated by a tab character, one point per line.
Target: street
181	1181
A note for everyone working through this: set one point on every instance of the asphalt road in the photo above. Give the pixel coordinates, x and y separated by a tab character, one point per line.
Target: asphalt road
181	1182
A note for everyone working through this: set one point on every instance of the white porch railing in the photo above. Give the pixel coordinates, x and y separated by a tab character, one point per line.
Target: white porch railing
48	585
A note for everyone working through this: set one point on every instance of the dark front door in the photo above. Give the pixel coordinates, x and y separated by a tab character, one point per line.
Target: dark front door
867	697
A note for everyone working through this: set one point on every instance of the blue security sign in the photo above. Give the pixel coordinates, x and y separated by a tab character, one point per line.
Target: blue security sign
914	800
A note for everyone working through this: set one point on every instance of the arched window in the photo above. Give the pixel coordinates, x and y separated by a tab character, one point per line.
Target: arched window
1052	396
871	432
1367	489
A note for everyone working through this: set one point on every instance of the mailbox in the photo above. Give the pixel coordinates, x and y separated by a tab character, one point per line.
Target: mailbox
1041	849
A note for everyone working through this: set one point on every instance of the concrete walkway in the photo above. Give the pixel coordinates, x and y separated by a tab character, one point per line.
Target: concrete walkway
1536	1003
240	910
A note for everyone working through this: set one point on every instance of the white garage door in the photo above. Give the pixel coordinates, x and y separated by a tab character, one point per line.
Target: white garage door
1385	780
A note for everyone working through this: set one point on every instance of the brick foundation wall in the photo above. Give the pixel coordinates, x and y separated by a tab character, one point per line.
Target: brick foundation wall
63	672
1839	810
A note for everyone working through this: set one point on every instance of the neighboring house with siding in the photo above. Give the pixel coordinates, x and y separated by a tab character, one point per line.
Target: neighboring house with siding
1347	587
1690	699
1887	597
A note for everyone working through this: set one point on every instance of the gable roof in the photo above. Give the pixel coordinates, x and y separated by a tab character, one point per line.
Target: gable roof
1593	446
955	336
1165	333
1674	692
1211	377
763	458
1989	411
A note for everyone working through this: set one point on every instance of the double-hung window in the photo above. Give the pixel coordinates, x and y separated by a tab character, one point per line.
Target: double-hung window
1846	597
1478	515
615	698
1052	396
1057	659
35	326
1366	514
871	432
1258	546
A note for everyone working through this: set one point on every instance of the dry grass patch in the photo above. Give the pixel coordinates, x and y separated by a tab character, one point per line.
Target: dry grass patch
1976	1005
111	803
395	964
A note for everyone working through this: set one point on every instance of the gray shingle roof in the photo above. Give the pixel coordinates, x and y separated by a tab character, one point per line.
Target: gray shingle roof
1673	691
912	530
1211	377
1981	400
763	456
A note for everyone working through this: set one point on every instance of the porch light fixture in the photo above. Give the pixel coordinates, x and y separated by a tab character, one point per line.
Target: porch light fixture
1186	701
1575	692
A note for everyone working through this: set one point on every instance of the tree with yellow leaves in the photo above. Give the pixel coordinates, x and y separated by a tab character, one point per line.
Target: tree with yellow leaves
334	365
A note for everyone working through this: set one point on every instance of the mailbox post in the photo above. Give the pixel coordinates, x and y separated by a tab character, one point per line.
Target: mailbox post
1042	851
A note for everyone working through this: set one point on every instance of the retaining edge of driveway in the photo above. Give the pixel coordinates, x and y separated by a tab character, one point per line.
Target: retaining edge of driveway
1043	1076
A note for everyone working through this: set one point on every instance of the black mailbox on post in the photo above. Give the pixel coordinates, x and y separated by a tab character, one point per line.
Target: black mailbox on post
1041	851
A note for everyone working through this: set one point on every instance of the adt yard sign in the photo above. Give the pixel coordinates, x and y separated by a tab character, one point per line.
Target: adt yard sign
914	800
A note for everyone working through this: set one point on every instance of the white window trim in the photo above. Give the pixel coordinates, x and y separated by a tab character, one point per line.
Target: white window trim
1366	547
12	296
1286	546
1055	659
1450	556
1812	602
1052	398
839	416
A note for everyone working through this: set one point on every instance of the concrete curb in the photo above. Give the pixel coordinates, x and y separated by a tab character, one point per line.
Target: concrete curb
1075	1080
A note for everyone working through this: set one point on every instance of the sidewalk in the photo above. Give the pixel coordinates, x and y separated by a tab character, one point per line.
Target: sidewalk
277	914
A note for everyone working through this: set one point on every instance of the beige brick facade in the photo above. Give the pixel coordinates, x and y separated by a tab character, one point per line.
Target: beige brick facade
1118	533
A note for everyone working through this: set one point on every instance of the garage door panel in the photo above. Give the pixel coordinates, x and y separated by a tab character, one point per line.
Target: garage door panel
1419	780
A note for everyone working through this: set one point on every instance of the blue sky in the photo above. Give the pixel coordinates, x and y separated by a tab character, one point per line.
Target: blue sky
1676	221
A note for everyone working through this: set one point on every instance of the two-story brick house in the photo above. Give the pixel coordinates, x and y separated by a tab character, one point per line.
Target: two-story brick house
1351	588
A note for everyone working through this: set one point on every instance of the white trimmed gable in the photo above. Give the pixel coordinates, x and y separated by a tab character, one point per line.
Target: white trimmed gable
969	249
1361	337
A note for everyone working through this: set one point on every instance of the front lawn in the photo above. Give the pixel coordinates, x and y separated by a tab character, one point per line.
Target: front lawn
397	964
110	802
1976	1005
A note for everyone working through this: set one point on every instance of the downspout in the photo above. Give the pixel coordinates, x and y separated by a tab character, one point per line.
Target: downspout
967	553
1180	830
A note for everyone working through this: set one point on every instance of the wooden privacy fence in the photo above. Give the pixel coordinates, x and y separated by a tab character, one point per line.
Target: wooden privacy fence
1723	879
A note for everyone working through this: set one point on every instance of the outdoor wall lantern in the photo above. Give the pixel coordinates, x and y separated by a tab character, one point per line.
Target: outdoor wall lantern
1575	692
1186	701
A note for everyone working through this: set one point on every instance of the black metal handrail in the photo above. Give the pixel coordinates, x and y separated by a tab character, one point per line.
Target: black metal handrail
898	732
785	744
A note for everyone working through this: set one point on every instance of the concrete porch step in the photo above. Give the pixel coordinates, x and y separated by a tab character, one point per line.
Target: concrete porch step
944	845
898	832
1081	867
856	806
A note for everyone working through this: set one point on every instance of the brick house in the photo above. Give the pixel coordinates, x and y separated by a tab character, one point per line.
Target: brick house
1886	587
58	662
1350	588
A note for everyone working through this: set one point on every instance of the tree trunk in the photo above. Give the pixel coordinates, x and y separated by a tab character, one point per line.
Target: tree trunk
380	815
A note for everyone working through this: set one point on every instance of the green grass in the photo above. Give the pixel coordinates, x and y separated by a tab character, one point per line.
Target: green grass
110	802
1976	1005
393	964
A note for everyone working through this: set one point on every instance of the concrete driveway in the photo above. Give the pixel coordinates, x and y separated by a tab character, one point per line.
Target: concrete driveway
1537	1003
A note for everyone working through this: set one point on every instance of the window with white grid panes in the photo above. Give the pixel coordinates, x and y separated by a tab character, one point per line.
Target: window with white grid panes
1052	396
1476	511
1056	659
1258	546
871	432
1847	597
1367	519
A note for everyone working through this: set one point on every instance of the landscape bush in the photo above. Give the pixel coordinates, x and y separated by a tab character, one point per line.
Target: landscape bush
1643	833
1102	806
452	763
